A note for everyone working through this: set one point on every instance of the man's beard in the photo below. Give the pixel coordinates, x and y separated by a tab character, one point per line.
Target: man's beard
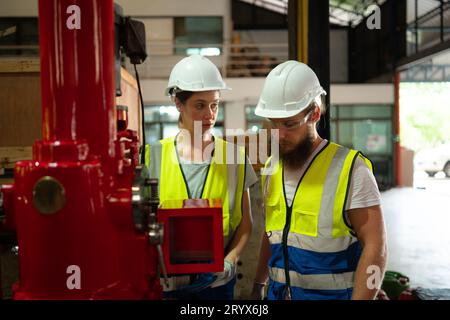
297	157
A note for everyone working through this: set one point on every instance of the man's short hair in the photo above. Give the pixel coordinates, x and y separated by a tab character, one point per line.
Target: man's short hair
320	102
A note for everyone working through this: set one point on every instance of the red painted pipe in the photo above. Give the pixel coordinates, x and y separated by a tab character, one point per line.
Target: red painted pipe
398	159
77	73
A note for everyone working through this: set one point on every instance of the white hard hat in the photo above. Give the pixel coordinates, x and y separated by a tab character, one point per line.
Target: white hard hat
195	73
289	88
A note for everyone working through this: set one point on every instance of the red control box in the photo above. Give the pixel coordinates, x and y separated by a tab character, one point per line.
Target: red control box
193	235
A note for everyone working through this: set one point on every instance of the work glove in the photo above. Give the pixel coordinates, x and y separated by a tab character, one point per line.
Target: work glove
258	291
228	273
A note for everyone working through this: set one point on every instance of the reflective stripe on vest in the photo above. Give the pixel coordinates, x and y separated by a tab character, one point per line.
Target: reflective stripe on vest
173	186
314	281
319	241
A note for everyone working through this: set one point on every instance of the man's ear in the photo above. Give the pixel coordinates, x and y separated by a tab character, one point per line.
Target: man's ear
315	115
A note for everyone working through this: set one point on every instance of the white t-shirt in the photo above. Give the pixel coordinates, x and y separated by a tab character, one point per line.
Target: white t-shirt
363	191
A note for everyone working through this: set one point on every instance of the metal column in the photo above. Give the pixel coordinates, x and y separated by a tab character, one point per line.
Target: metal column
309	42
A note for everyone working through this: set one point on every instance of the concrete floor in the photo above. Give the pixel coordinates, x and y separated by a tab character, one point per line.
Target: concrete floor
418	228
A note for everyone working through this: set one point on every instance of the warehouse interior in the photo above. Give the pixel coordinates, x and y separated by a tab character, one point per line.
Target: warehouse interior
384	63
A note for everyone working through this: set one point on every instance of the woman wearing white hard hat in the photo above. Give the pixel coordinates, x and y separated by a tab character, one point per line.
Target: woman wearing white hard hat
193	165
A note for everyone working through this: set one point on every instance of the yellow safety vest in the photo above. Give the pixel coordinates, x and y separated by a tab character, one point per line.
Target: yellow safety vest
314	251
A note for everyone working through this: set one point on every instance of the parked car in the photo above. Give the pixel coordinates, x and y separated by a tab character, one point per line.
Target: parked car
434	160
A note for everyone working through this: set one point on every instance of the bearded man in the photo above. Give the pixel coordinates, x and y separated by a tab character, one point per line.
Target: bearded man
324	231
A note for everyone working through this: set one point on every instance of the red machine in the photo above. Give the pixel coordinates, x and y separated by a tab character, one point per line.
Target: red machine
86	226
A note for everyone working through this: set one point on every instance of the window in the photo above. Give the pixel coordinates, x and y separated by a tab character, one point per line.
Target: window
367	128
198	35
161	121
19	37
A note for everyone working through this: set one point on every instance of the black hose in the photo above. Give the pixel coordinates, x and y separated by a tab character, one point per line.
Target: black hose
143	116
